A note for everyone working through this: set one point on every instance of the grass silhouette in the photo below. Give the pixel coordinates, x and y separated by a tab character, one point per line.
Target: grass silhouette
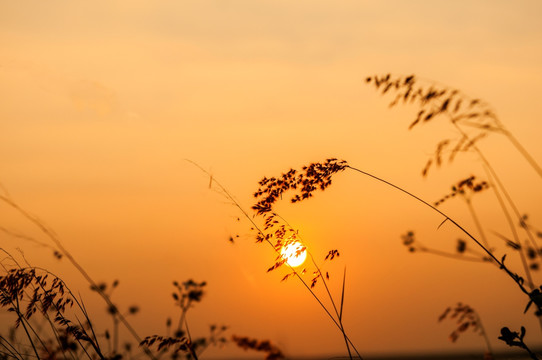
277	233
466	318
54	322
318	176
474	120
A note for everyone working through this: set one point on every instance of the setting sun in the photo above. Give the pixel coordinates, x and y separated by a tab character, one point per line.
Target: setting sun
294	253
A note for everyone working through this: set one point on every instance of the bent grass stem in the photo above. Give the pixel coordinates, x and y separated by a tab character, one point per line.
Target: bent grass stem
234	202
21	317
447	218
500	185
339	315
52	236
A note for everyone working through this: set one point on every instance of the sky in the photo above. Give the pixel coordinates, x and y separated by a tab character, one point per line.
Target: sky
102	103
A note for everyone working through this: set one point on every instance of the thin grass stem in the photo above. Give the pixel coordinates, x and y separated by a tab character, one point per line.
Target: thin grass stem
477	223
523	152
337	313
235	203
447	218
11	349
51	235
22	322
514	208
449	255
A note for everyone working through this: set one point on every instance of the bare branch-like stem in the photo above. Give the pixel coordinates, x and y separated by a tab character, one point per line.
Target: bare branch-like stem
500	263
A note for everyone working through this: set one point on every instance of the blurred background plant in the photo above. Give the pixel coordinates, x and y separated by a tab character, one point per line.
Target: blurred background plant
466	318
179	343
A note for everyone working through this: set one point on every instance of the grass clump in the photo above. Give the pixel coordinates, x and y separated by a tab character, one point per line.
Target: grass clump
65	330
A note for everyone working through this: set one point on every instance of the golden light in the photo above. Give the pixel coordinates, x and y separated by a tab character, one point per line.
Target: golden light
294	253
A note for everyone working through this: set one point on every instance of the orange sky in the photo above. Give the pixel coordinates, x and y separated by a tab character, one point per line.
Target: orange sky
101	102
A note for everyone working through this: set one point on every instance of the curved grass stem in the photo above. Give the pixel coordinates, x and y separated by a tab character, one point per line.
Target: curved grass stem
328	292
23	323
447	218
524	152
477	223
52	236
337	322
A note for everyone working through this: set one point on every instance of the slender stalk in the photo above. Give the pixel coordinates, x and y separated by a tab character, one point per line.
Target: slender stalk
83	345
11	350
55	333
234	202
22	321
484	334
115	333
491	171
494	175
190	347
94	342
339	315
514	208
448	255
498	128
523	152
184	309
477	223
502	204
447	218
51	235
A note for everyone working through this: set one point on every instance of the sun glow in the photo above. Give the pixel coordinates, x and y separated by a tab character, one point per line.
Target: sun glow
294	253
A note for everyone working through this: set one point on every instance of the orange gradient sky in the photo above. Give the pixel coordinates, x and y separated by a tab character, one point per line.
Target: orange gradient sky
101	102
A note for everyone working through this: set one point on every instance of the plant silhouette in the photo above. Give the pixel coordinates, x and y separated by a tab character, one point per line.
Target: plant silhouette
318	176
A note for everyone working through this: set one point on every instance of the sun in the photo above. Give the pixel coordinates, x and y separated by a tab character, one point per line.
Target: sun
294	253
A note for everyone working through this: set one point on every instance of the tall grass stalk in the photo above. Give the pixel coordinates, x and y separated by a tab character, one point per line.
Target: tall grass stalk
516	278
318	176
500	186
31	285
336	314
436	99
62	249
464	112
461	111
